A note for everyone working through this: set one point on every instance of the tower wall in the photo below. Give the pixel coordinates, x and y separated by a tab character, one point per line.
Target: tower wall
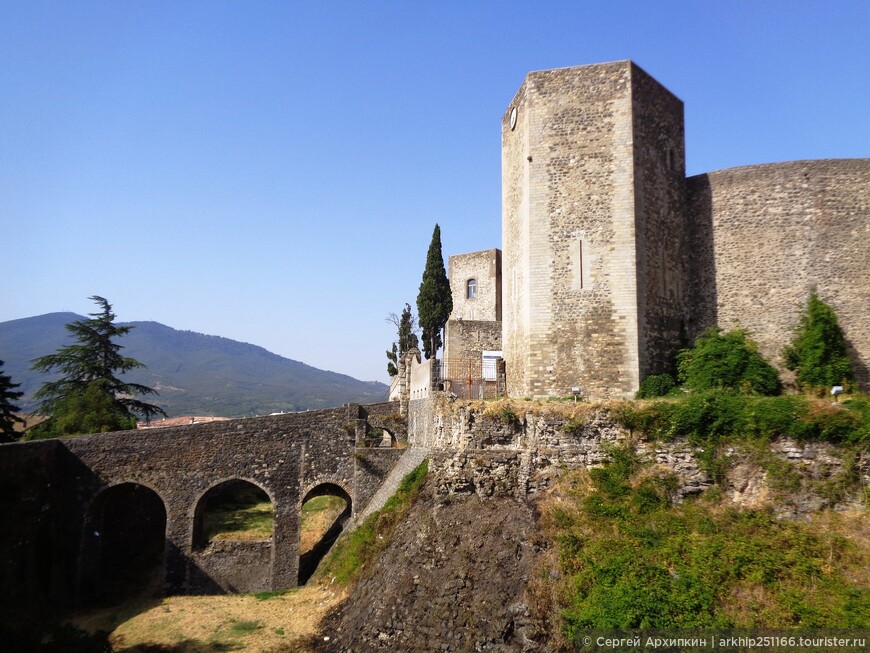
586	192
485	268
661	225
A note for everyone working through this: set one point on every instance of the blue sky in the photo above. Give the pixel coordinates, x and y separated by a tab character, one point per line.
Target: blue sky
271	172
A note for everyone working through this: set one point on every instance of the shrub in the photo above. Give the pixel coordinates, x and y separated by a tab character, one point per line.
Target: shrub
656	385
817	354
727	360
706	418
574	426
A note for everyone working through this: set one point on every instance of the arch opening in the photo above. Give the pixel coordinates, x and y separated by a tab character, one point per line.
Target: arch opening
380	436
324	513
124	547
233	510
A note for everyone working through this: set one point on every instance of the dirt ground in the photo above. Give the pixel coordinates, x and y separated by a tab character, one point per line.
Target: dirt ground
454	578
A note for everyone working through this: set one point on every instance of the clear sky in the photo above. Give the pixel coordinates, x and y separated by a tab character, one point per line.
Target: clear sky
271	172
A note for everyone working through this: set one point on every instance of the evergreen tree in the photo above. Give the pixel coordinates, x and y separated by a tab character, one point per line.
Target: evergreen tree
8	395
89	397
407	339
393	360
435	301
818	352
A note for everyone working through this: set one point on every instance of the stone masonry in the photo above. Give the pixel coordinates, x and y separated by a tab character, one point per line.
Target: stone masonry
612	260
56	496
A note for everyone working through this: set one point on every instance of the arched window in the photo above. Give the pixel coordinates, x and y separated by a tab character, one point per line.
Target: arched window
471	289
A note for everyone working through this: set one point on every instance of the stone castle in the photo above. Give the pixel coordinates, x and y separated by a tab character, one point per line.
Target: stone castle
612	259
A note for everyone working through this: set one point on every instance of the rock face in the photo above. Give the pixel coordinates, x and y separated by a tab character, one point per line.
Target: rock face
454	579
462	569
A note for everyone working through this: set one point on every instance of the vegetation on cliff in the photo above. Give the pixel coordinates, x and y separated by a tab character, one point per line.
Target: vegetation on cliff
628	557
349	556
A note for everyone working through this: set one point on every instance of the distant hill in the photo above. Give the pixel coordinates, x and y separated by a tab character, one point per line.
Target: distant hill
195	374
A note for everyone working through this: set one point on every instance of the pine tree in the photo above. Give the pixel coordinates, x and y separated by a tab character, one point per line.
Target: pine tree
435	301
89	397
8	418
818	353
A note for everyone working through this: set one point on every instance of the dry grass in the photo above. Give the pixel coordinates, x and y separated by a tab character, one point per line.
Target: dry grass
318	515
272	623
201	624
562	407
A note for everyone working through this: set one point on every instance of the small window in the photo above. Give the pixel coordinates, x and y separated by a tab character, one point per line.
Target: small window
471	289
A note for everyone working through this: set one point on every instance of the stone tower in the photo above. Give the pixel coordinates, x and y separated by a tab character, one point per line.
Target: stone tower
593	231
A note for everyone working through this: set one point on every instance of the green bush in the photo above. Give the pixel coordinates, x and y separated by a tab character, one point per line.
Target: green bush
818	352
706	418
656	385
726	360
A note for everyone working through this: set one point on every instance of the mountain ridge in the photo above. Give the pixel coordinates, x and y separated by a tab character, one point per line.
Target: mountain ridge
195	373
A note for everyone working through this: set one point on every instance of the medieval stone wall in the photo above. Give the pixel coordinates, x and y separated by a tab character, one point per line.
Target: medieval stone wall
763	236
29	492
661	233
574	180
493	452
613	260
468	339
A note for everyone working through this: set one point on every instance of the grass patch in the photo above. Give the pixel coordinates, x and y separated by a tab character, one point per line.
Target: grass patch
318	514
265	596
238	511
245	627
630	558
350	554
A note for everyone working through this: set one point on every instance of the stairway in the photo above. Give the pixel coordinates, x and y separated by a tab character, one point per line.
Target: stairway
412	457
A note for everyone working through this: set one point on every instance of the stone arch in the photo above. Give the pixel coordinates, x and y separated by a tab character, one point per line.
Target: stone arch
200	505
123	549
311	555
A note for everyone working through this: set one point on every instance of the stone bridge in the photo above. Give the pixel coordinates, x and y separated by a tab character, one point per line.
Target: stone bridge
75	511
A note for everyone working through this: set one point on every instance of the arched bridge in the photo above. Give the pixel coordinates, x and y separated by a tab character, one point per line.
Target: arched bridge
70	506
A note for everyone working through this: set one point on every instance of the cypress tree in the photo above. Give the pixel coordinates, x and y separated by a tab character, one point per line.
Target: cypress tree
8	395
435	301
